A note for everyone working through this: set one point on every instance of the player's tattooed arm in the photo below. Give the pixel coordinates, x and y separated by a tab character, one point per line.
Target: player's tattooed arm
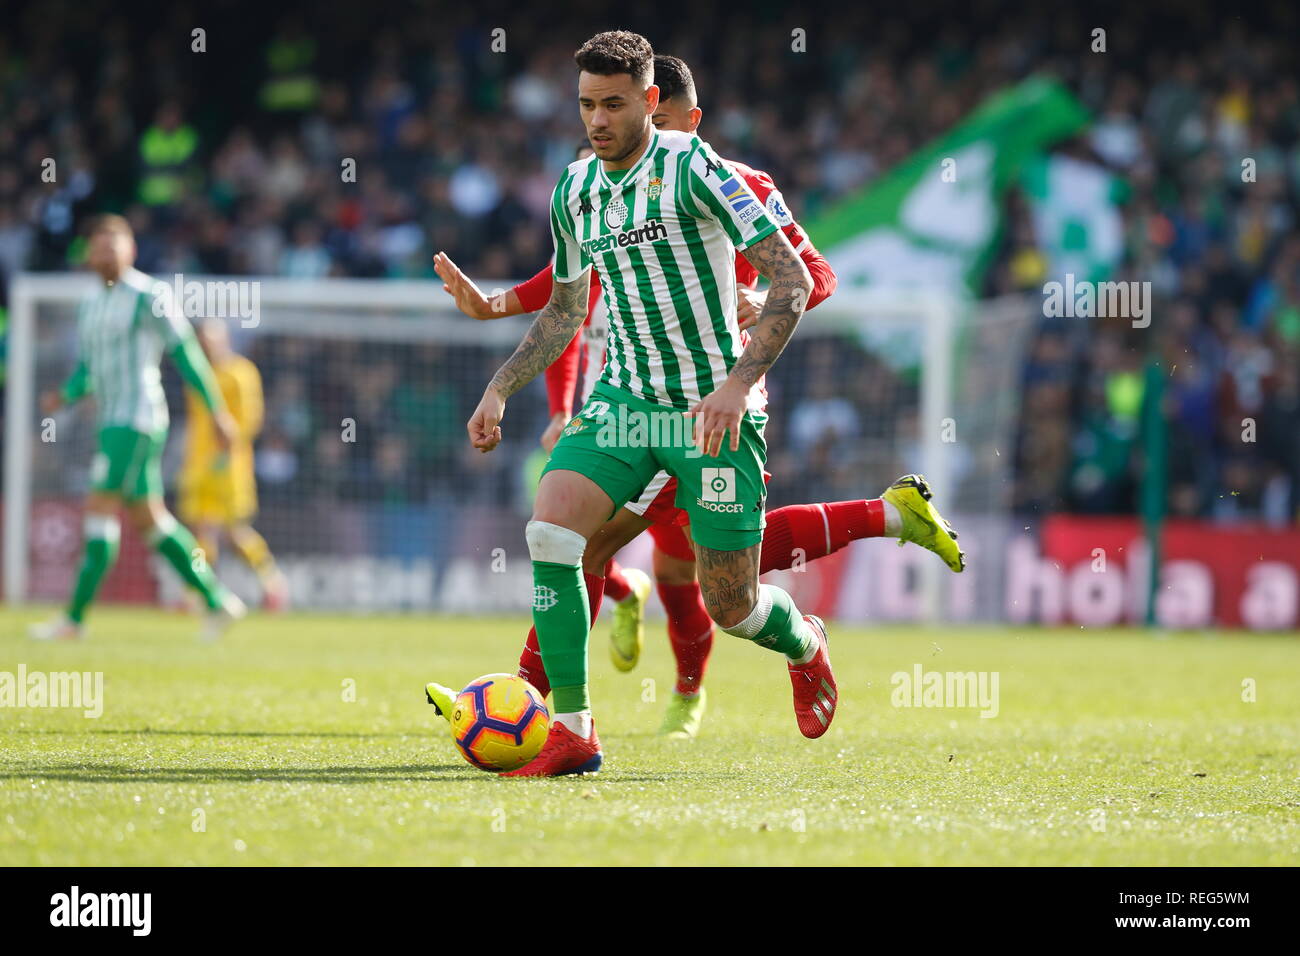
548	336
787	297
719	414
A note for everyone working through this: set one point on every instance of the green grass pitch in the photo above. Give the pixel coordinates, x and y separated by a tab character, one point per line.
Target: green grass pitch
1109	748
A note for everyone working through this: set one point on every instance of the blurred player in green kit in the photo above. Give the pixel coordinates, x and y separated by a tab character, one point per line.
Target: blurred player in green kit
123	329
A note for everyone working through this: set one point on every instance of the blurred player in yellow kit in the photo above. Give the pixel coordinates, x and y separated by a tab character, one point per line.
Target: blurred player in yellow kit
217	488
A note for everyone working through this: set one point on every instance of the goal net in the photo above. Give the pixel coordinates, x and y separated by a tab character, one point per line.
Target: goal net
372	500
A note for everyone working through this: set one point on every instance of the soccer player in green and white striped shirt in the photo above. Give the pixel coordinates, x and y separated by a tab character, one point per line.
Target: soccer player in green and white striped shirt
123	329
659	216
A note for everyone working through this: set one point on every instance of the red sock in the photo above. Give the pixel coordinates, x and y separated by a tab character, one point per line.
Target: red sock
530	664
690	631
530	658
595	591
616	586
818	530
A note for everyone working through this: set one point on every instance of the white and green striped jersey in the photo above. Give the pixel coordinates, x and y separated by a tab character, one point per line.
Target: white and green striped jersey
123	329
662	239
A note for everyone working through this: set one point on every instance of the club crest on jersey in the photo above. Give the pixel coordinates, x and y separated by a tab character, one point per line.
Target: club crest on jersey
615	214
654	189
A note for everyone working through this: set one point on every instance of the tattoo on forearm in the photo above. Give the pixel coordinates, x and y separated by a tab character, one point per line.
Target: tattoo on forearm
548	336
787	298
729	581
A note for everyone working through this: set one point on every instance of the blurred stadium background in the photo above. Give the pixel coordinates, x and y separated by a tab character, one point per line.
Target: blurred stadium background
1067	446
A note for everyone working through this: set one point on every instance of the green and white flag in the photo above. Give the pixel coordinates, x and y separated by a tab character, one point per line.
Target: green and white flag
934	220
1076	216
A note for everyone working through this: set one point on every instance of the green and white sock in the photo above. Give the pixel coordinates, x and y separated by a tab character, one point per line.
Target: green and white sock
103	535
174	542
560	613
775	622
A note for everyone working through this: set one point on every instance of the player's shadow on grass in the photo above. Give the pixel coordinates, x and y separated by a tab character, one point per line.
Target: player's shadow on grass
409	773
116	773
231	733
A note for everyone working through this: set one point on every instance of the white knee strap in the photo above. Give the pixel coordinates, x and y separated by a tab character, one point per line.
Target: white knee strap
161	530
553	544
757	619
102	528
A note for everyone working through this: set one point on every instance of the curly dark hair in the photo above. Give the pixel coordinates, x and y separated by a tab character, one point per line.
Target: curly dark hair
618	51
673	77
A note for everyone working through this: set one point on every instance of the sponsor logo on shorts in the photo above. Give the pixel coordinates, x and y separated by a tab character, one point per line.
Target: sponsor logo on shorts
719	491
719	508
719	484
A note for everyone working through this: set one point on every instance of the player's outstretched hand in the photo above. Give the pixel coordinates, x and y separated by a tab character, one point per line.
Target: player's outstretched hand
717	414
485	426
462	289
750	306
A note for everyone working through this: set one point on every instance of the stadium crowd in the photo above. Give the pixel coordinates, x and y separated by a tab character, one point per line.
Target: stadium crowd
457	147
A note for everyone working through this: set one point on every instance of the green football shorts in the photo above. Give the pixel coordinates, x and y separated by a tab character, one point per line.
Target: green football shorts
128	463
621	441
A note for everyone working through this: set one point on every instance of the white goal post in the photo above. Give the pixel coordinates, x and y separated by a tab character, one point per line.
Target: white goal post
917	326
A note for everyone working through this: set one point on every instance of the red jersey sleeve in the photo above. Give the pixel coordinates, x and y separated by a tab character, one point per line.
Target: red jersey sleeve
764	189
562	378
823	276
534	293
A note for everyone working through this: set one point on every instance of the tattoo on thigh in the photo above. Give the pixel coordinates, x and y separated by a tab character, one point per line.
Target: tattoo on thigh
728	580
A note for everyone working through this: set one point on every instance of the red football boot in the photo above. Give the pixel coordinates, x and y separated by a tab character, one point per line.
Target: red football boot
814	686
564	752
